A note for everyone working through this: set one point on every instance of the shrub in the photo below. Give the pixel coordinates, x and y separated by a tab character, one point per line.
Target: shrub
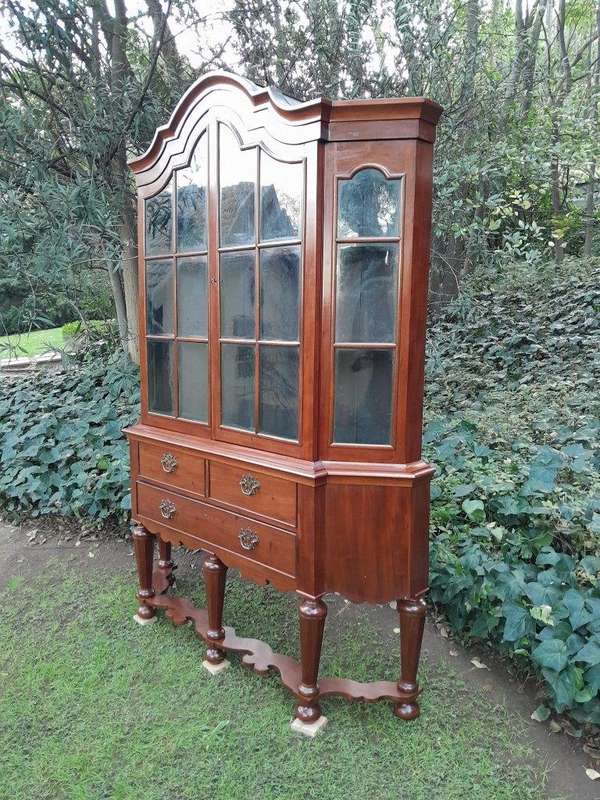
61	446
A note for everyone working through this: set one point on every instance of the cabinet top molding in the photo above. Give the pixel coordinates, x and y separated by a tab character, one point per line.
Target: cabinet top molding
289	120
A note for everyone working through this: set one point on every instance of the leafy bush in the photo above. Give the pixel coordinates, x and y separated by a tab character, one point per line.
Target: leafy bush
61	446
513	426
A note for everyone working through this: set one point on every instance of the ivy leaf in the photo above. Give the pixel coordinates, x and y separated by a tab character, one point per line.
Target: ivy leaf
551	654
474	509
590	653
518	622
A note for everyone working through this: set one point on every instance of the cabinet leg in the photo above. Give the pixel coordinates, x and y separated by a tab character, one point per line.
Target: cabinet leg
412	622
214	572
165	562
313	612
143	545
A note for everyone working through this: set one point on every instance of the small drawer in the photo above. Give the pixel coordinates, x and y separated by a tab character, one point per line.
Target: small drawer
253	491
169	465
244	537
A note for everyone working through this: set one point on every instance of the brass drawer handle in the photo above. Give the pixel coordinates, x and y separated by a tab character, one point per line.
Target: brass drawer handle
249	485
168	462
248	539
167	509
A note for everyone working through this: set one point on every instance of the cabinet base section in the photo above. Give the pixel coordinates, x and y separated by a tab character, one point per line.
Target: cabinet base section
259	657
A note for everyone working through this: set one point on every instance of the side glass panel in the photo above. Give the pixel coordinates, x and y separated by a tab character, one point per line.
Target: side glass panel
237	181
363	391
281	190
237	386
158	215
368	205
160	377
159	297
193	381
278	399
279	293
367	279
237	289
191	200
192	297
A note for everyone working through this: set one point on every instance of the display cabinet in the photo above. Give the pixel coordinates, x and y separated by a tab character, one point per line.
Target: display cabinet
283	257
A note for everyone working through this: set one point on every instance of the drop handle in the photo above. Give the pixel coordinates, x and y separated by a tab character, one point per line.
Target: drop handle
167	509
249	485
168	462
248	539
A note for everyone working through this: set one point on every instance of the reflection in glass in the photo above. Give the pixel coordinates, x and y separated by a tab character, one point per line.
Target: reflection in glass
279	293
368	205
237	290
281	189
363	396
159	227
237	179
193	381
237	386
278	400
160	377
191	201
367	277
159	296
192	298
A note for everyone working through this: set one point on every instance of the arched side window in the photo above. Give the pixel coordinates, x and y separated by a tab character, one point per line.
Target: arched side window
367	258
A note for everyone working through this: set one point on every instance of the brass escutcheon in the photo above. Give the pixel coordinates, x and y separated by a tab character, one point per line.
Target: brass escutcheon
167	509
248	539
168	462
249	485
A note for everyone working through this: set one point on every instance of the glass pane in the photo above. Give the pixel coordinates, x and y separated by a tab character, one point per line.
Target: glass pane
281	189
159	296
363	396
368	205
159	228
237	288
237	385
160	377
237	177
191	201
367	279
278	398
279	293
193	381
192	302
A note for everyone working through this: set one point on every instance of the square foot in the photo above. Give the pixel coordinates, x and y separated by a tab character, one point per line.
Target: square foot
309	728
214	669
141	621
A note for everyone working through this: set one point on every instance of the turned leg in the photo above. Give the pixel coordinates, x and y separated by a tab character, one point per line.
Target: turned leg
143	545
214	572
313	612
165	564
412	622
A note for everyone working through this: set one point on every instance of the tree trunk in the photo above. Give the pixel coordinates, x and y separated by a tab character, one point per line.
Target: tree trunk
128	232
120	308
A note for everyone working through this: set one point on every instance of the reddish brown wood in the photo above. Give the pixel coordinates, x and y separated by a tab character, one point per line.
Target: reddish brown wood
313	613
323	516
143	543
214	572
412	622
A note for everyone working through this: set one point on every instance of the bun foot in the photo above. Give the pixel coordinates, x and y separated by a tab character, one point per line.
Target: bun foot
214	669
309	728
407	710
144	620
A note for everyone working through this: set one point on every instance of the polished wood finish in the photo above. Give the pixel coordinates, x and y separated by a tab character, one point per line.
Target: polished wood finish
307	514
214	572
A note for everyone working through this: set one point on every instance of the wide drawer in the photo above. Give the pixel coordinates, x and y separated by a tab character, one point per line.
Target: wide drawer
269	546
253	491
177	468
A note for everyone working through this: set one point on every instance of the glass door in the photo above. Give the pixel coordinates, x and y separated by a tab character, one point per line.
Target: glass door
260	276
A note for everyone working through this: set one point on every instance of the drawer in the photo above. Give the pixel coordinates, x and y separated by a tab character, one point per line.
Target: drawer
253	491
253	540
172	466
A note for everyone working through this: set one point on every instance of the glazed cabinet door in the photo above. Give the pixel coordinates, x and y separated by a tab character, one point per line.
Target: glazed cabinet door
258	320
175	290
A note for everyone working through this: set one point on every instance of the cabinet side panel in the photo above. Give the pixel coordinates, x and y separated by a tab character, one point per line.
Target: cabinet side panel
419	538
365	546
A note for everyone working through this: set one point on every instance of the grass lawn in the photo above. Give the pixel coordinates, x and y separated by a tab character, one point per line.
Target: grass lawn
94	707
30	344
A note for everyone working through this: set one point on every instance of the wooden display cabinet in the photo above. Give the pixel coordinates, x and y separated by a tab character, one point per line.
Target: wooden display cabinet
283	258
